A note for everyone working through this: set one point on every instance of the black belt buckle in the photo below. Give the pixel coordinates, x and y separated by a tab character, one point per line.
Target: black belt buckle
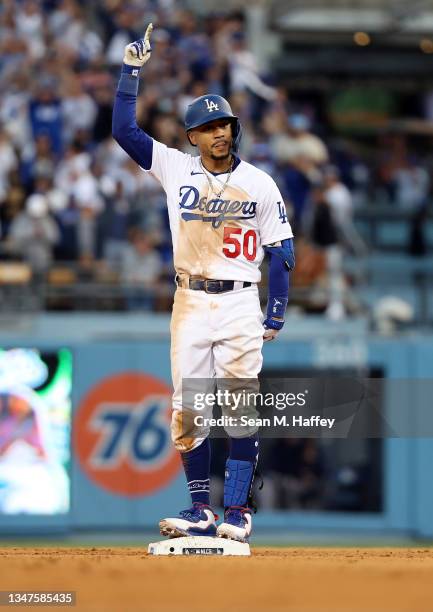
213	286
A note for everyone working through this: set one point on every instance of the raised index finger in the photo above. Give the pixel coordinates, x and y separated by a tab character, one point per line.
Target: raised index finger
148	32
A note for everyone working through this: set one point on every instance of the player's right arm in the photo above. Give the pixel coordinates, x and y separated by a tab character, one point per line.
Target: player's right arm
125	130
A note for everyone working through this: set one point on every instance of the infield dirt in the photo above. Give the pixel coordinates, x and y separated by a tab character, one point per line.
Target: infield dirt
296	579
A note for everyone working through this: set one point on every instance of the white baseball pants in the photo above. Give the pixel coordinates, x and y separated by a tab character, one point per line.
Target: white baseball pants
212	336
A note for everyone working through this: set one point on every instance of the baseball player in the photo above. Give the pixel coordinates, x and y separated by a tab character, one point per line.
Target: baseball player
224	215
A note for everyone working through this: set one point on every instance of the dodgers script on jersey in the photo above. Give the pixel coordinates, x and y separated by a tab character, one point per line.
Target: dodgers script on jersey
219	237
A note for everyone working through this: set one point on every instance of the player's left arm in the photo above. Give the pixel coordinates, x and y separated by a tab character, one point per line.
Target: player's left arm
281	262
277	240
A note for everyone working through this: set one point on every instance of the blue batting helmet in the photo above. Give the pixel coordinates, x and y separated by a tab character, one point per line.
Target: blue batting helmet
208	108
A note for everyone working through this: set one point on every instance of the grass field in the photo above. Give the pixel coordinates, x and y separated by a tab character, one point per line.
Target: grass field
123	579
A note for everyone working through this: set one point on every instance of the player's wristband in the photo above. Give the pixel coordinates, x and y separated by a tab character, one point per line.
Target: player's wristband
128	83
270	323
132	70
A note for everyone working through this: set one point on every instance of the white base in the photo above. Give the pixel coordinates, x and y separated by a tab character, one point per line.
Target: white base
199	545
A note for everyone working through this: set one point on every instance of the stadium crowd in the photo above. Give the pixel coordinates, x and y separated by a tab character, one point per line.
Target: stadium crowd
68	193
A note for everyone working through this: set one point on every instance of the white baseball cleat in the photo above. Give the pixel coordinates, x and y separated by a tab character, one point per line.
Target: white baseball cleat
199	520
237	524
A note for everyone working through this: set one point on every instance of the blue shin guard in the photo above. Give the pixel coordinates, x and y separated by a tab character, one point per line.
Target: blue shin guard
238	480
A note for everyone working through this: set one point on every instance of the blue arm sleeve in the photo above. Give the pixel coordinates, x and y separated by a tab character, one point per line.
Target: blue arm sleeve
278	278
278	295
125	130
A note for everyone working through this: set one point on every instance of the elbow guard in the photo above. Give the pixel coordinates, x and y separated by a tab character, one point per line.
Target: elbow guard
283	249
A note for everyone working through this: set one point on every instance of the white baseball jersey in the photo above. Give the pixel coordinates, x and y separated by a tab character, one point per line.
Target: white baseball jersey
220	238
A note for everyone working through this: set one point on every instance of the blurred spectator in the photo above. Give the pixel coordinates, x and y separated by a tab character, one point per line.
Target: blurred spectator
141	268
339	199
46	114
127	29
244	70
103	97
193	45
75	163
13	47
33	234
261	156
90	204
300	153
310	264
37	161
30	26
73	40
13	202
8	162
353	170
299	145
412	185
14	109
78	109
325	236
57	199
406	181
114	226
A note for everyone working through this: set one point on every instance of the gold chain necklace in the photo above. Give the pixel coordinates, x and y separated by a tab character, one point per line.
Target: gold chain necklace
209	180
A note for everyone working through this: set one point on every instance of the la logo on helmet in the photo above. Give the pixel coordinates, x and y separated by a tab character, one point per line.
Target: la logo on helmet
211	106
